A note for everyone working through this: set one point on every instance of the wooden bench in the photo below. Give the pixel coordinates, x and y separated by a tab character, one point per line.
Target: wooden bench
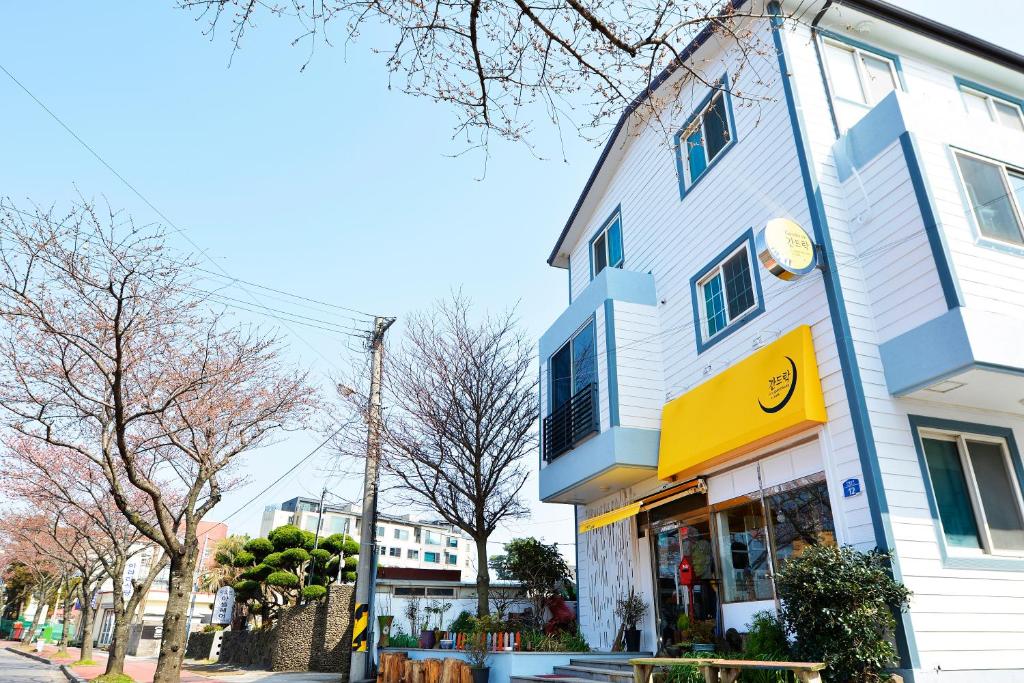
728	670
725	670
644	666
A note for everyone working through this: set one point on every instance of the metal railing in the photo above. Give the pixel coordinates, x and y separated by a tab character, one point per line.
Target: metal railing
570	422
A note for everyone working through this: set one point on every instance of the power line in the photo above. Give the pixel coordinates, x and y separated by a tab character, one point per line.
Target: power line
157	211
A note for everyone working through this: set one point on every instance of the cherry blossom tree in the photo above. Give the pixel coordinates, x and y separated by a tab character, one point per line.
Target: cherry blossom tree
111	353
73	491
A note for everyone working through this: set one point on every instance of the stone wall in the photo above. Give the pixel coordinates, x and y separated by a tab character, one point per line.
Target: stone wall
199	645
312	637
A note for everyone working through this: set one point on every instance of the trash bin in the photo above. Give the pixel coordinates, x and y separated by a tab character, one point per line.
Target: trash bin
16	633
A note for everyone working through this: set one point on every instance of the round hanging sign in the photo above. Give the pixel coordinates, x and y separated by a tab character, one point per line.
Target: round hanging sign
785	249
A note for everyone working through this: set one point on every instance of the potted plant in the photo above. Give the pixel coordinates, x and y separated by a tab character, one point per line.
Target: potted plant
477	655
631	609
385	621
428	638
700	633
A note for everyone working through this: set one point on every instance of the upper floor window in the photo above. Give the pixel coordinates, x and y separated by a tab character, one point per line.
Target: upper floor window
402	534
432	557
606	245
726	292
450	558
996	195
380	532
977	494
433	538
412	554
859	75
704	137
988	107
395	552
574	366
453	542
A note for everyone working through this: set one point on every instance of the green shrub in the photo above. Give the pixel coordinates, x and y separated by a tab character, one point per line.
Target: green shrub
840	604
273	560
463	623
213	628
350	563
293	557
350	577
308	540
403	639
247	587
321	557
573	641
260	547
283	580
766	637
284	537
257	573
243	558
313	592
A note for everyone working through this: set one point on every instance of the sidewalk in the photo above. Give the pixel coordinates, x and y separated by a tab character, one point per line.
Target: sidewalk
139	668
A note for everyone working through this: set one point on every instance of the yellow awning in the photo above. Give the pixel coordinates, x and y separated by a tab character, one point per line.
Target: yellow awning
770	394
652	501
607	518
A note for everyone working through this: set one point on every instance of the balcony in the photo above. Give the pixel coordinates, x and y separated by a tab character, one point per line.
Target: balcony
593	443
571	422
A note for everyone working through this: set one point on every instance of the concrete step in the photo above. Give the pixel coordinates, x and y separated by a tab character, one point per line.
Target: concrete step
548	679
595	673
613	663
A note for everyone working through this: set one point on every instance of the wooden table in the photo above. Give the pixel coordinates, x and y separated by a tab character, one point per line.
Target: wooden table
725	670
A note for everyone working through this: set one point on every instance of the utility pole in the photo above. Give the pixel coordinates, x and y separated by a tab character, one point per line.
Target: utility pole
316	537
362	627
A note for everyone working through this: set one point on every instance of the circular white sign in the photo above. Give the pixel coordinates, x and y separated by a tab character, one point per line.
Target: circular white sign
785	249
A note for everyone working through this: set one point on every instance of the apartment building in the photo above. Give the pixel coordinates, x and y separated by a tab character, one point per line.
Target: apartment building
796	317
401	541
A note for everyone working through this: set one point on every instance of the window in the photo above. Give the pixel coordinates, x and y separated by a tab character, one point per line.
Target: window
382	550
395	552
413	554
859	75
450	558
453	542
799	515
380	532
988	107
402	534
726	292
977	494
704	137
574	366
743	546
433	538
432	557
441	592
409	590
606	245
996	195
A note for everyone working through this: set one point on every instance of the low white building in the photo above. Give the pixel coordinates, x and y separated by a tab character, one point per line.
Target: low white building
400	540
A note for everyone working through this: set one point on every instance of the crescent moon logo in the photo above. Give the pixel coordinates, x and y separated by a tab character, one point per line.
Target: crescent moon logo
785	399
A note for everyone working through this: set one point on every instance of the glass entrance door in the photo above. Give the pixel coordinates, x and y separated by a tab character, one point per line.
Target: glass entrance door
687	582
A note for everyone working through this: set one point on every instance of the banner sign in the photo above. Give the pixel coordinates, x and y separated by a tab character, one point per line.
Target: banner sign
224	605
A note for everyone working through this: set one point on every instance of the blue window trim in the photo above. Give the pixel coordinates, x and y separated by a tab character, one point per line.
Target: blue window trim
980	239
986	562
611	361
722	87
962	83
592	321
755	275
616	214
823	34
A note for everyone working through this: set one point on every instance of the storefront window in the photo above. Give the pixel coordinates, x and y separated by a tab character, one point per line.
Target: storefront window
743	547
801	516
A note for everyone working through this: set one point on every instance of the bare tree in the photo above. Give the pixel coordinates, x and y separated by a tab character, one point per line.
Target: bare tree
74	492
492	61
462	413
110	353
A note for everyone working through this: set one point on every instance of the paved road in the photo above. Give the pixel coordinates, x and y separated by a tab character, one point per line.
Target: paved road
17	669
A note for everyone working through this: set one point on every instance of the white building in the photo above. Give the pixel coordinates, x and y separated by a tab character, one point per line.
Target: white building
722	418
401	541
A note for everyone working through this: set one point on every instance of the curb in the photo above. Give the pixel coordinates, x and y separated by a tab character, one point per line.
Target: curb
71	675
30	655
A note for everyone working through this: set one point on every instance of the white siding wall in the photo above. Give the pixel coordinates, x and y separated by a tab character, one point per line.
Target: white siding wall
963	620
893	248
641	388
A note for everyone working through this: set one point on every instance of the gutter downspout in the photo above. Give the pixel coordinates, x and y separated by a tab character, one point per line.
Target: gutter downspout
821	63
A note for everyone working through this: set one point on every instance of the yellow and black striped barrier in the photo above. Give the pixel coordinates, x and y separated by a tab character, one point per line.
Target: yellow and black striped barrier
360	622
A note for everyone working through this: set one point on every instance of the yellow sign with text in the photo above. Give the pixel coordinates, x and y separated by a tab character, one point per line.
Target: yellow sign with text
770	394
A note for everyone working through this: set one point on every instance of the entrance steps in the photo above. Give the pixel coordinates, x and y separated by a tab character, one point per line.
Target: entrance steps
586	670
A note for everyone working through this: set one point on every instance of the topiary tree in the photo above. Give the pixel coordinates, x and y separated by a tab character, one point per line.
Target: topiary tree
284	568
841	606
539	567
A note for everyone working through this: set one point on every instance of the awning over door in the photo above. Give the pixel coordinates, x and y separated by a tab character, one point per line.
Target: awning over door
770	394
652	501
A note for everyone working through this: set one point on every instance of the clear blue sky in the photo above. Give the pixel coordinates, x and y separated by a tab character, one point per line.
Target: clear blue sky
322	182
